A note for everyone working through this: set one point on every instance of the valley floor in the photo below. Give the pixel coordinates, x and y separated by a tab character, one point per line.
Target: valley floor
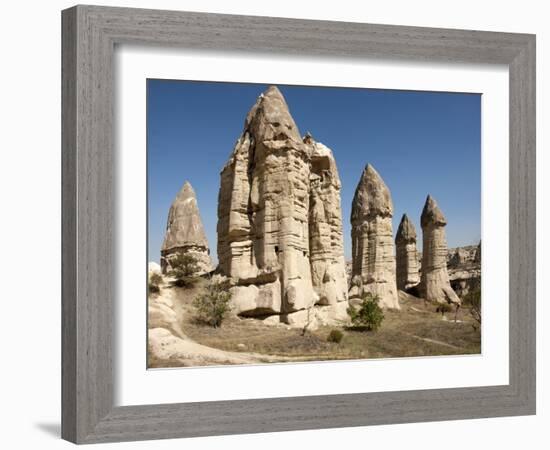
416	330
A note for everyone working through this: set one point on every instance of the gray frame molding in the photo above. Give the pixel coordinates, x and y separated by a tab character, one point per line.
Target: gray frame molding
89	36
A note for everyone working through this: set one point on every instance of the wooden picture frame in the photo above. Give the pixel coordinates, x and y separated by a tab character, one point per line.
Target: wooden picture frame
90	34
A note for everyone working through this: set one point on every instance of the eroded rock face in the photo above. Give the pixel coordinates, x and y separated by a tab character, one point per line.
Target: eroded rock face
464	268
272	187
185	232
168	346
435	284
461	255
373	260
326	243
153	267
407	274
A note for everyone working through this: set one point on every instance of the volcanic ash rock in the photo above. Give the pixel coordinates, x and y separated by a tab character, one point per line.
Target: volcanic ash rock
264	216
326	242
407	274
153	268
464	269
435	284
263	212
373	261
185	232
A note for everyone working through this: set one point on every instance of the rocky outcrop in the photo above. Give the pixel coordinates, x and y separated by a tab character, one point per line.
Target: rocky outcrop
464	268
264	216
263	212
373	266
460	256
407	275
326	243
153	267
185	232
160	311
168	346
435	284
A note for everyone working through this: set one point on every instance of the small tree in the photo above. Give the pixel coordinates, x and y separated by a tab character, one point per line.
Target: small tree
443	308
213	304
335	336
155	280
473	301
369	315
184	269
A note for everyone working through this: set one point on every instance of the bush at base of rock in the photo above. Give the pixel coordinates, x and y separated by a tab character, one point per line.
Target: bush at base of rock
368	315
154	283
213	304
335	336
443	308
184	270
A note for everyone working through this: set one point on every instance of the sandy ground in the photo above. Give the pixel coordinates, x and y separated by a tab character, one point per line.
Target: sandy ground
169	346
177	340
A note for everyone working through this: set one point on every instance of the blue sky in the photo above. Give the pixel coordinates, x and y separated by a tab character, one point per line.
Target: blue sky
419	142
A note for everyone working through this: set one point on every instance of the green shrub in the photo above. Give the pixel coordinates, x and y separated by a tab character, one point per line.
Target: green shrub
184	269
472	300
443	308
213	304
154	283
368	315
335	336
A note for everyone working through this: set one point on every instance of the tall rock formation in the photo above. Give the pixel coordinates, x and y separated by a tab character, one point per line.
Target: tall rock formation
185	232
265	219
435	285
326	242
373	266
407	274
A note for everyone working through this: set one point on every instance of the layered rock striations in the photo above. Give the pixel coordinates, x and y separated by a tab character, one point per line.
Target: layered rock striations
373	260
435	284
185	232
407	275
326	243
266	207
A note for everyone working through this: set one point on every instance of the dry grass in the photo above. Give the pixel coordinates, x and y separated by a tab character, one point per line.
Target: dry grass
416	330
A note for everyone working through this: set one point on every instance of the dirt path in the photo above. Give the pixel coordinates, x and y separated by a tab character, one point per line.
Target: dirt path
170	350
433	341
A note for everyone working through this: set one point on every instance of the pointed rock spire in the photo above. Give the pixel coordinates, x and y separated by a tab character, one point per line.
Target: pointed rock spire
185	231
279	219
406	231
184	227
263	211
270	119
373	260
431	214
435	284
372	196
407	274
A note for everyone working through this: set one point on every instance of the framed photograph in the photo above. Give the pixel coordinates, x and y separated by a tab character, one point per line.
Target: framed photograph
278	224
